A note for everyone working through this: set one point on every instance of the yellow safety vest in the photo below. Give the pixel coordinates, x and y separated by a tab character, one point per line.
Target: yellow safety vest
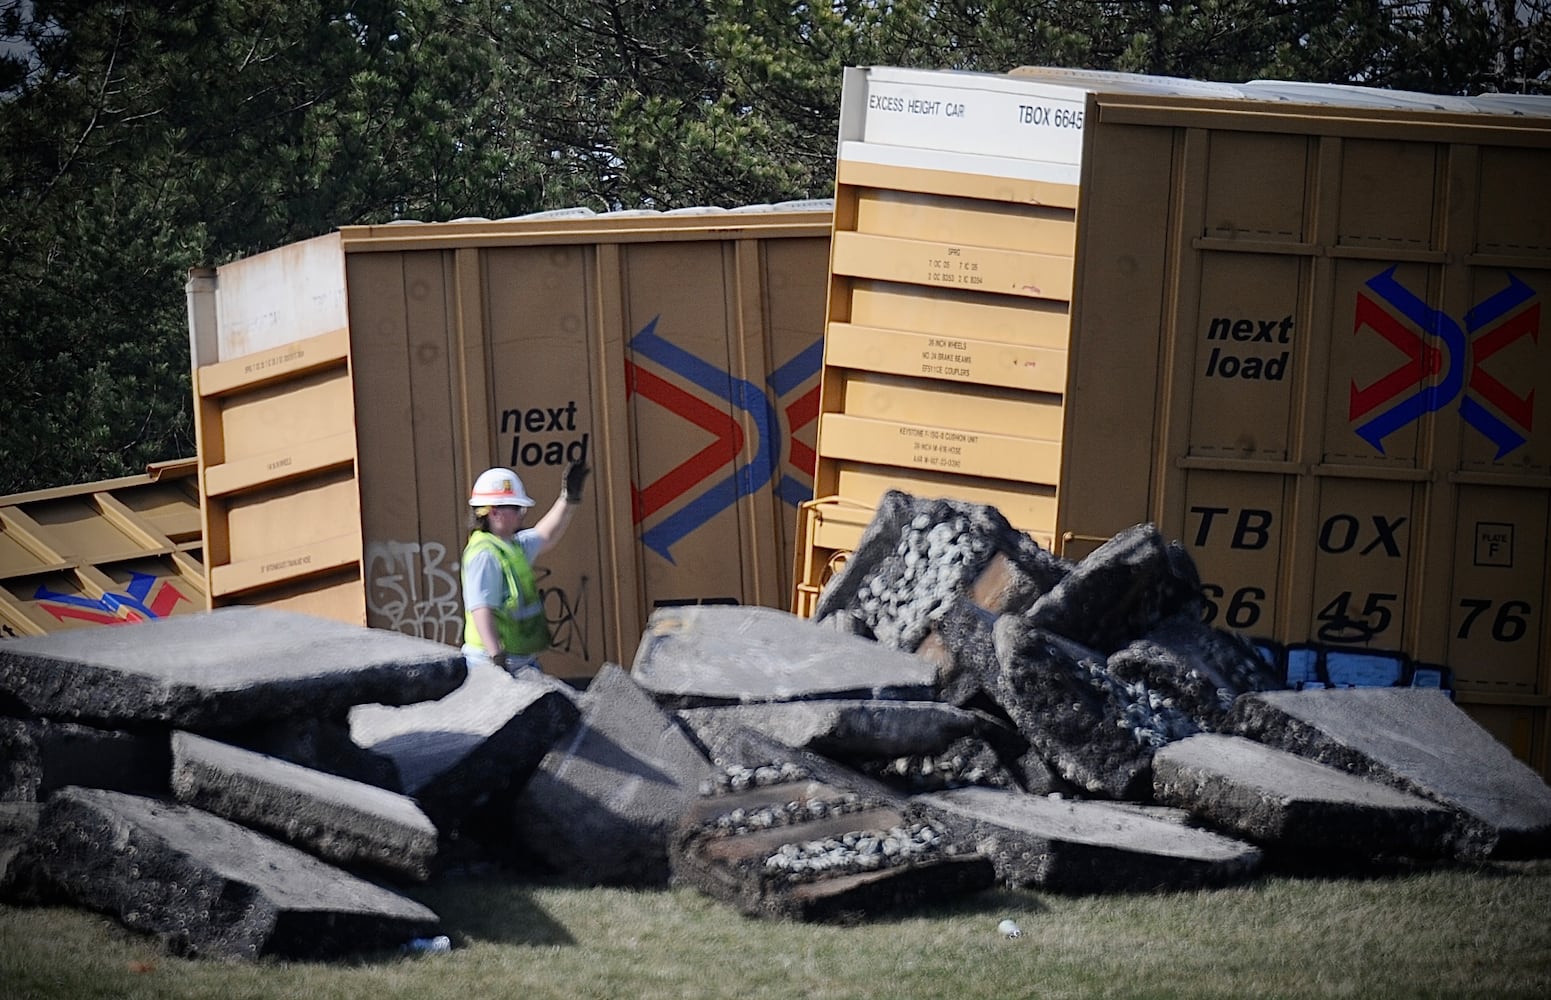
521	626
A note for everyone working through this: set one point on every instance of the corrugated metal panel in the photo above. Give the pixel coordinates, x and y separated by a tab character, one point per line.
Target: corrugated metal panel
1347	352
102	553
1304	337
678	353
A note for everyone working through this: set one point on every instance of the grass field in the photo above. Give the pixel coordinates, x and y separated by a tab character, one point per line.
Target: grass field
1460	932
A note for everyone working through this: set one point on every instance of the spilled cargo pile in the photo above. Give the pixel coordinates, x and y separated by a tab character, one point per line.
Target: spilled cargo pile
196	778
966	710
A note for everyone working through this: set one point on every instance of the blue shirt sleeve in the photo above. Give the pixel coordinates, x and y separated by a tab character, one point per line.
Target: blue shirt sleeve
484	585
530	542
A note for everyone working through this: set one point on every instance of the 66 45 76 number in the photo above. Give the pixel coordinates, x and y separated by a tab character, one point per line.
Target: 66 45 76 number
1349	617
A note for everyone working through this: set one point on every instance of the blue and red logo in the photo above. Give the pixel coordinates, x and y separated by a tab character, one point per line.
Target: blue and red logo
1456	351
144	598
729	467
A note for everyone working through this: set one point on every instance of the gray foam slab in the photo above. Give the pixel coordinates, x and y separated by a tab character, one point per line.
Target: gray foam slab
969	760
602	805
18	825
209	887
1010	583
961	643
487	736
1419	741
961	648
321	744
845	727
701	655
750	748
1046	686
38	757
731	866
1274	798
1089	847
1198	669
1120	591
345	822
222	669
1026	570
1224	659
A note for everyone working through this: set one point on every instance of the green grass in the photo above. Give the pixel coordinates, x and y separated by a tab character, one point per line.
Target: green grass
1476	932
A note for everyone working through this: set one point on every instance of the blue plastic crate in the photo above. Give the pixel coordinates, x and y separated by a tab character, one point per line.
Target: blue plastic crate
1364	668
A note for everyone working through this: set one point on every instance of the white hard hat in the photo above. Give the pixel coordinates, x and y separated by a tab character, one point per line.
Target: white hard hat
499	488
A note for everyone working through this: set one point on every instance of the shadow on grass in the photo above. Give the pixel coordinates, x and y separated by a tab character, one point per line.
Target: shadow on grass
1316	866
493	907
998	902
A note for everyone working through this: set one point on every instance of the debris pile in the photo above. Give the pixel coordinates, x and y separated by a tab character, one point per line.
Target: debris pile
1500	808
1096	665
128	753
1270	796
1086	693
1088	846
965	709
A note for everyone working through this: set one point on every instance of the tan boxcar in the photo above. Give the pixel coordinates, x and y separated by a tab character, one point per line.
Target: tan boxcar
350	387
1298	327
103	553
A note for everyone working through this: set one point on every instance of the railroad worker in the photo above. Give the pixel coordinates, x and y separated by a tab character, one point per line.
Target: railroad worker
503	621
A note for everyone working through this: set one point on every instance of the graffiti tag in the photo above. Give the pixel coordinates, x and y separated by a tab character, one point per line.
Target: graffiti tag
413	588
567	617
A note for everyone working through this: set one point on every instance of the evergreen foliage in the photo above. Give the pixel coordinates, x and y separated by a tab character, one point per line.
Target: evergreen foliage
139	139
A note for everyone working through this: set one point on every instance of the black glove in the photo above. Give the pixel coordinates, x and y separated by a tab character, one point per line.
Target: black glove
575	475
